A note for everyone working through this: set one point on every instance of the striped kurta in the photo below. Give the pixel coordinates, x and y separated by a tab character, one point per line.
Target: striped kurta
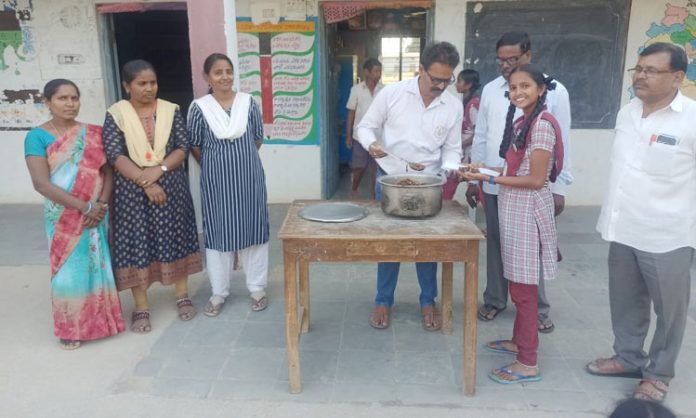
527	225
233	184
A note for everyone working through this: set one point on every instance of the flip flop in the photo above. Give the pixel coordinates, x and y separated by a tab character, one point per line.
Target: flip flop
70	344
545	326
211	309
488	312
615	369
380	317
432	319
259	305
498	347
651	390
518	377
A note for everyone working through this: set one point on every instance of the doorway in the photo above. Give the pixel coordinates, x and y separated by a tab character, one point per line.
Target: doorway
396	38
157	36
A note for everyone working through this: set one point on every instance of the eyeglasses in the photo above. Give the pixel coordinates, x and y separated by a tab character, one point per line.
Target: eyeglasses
508	61
435	81
650	72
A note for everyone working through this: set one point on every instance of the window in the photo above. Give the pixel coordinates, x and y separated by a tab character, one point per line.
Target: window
400	58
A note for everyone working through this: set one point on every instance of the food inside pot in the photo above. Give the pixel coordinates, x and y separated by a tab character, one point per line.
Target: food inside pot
409	182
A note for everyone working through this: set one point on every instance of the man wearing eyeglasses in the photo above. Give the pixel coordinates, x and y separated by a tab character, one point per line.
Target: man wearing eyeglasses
648	217
414	125
513	49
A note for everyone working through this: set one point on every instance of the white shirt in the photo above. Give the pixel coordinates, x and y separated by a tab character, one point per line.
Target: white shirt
430	136
491	123
360	99
650	201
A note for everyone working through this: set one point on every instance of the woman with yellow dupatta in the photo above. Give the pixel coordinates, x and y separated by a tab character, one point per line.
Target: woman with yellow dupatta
68	167
153	222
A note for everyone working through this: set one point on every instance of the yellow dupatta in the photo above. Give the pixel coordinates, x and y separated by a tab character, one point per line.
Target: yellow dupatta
139	148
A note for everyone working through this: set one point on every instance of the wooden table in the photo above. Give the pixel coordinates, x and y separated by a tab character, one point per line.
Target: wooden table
447	238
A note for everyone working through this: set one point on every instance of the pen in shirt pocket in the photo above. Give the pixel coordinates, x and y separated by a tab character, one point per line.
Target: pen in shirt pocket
664	139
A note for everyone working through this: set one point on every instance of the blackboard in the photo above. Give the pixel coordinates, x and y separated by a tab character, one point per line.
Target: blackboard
582	43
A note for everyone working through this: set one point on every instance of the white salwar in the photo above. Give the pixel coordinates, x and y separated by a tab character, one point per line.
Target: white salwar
254	262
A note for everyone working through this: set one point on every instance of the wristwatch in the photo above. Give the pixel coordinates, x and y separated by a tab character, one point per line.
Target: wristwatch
164	168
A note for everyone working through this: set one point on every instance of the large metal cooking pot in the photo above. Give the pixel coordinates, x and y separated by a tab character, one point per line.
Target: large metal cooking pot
411	195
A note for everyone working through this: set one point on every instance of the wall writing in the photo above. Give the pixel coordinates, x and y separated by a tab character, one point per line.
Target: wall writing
277	66
20	100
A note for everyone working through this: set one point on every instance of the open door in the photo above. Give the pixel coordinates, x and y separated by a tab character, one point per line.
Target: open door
168	50
395	37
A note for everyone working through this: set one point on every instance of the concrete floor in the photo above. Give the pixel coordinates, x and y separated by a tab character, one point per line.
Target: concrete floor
235	365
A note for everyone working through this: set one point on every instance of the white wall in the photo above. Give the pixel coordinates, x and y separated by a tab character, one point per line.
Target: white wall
58	27
292	172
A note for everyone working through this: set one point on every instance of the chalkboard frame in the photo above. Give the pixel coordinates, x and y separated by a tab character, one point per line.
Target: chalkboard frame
569	27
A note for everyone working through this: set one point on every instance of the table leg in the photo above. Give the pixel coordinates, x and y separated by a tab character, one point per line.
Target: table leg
470	302
304	295
292	335
447	298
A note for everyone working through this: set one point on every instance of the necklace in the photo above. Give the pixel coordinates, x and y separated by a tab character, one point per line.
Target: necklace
50	122
148	122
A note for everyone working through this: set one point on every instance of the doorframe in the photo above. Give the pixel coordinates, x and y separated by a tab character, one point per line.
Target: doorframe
109	58
329	162
107	39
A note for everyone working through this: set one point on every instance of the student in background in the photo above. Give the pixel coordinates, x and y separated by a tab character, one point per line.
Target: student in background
360	98
467	85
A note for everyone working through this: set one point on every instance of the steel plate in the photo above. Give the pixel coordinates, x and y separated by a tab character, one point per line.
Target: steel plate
333	212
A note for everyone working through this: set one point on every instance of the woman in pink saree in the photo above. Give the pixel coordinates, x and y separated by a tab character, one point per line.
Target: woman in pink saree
68	167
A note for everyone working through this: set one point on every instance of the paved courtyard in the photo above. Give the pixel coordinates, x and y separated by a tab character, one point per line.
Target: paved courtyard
235	365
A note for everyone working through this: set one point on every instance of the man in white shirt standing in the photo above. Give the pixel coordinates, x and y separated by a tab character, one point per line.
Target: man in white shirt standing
414	125
359	101
649	219
512	49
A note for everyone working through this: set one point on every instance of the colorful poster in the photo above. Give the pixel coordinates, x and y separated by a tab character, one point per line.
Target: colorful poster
678	26
277	65
20	99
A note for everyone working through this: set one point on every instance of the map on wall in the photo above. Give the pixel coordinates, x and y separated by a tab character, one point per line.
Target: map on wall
277	66
678	26
20	102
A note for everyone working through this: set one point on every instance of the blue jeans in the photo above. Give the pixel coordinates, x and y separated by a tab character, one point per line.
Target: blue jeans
388	274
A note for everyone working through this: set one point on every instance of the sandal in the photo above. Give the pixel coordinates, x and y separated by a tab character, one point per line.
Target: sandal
380	317
651	390
545	326
185	308
141	322
488	312
69	344
214	305
260	304
432	319
610	367
499	346
506	376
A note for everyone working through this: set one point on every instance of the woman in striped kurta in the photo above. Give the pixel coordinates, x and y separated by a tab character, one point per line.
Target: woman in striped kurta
533	153
225	131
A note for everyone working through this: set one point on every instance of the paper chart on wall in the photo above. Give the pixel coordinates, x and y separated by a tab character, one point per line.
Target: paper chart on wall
277	64
20	98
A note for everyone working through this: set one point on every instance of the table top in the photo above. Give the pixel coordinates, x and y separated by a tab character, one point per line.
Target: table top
451	223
